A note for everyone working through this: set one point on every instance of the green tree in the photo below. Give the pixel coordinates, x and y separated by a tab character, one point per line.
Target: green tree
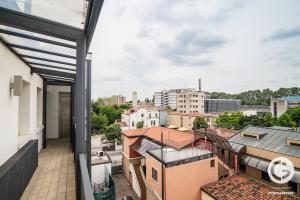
113	132
200	122
286	121
140	124
294	113
98	121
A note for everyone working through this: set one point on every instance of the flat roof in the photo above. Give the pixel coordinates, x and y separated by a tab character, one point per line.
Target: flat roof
172	157
242	187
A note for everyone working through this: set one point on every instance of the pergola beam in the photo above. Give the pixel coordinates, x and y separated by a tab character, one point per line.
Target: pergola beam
51	66
48	60
38	25
53	73
92	19
31	37
40	51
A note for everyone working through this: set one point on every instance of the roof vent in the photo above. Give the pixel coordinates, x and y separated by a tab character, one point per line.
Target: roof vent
293	142
257	136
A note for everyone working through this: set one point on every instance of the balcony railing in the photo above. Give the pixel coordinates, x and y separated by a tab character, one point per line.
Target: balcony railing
85	183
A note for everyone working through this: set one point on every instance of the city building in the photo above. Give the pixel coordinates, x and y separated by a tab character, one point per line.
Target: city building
222	105
278	106
45	86
162	163
190	102
257	146
168	98
134	99
241	187
186	120
148	116
114	100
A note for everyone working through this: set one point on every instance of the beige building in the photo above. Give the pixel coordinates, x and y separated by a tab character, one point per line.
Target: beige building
114	100
257	146
278	106
186	120
190	102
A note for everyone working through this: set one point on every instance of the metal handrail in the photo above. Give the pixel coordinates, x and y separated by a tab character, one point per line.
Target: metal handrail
86	188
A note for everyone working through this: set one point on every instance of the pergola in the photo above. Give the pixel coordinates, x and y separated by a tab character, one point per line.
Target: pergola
52	37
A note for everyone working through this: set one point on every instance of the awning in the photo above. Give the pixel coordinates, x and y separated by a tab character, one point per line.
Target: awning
143	145
238	148
262	165
255	162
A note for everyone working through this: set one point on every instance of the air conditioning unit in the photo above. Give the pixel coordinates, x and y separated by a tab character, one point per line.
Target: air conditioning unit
99	153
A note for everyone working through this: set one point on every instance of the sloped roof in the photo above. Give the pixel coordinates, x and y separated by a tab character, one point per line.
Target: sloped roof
243	188
171	137
274	140
143	145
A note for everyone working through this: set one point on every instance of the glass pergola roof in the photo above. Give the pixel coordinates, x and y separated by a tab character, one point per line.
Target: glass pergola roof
44	33
69	12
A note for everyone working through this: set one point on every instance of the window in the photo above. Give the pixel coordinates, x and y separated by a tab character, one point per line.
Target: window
142	115
265	176
154	122
293	186
132	124
156	115
154	174
212	163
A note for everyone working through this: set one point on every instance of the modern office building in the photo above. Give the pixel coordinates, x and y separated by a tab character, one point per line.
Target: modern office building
148	116
168	98
278	106
222	105
190	102
45	86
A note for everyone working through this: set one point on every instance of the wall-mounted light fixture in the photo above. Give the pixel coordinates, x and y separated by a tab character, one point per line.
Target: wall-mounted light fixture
17	85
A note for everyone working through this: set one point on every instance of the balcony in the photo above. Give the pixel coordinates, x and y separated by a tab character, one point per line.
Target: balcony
54	177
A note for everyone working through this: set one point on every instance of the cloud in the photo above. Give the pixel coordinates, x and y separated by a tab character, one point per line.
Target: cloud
191	47
283	34
108	78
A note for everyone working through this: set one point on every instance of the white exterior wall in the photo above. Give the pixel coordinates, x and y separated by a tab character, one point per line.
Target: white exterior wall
53	109
98	172
9	105
281	106
141	114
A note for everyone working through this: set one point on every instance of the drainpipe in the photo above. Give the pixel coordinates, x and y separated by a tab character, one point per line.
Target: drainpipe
162	168
235	164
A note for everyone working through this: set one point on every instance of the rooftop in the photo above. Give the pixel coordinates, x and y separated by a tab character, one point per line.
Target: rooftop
274	140
195	114
243	188
291	98
171	137
173	157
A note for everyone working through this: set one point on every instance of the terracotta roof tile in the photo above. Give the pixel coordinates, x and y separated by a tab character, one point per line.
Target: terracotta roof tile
171	137
243	188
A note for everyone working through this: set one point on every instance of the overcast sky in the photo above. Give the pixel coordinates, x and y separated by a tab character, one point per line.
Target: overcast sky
150	45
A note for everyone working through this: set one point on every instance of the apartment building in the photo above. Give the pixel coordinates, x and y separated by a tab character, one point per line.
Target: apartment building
190	102
278	106
161	163
186	120
45	88
148	116
114	100
168	98
257	146
222	105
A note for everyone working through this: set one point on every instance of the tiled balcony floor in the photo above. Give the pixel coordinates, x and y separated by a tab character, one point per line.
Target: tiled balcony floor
54	177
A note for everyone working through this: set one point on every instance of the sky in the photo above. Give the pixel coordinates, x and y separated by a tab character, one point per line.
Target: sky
233	46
